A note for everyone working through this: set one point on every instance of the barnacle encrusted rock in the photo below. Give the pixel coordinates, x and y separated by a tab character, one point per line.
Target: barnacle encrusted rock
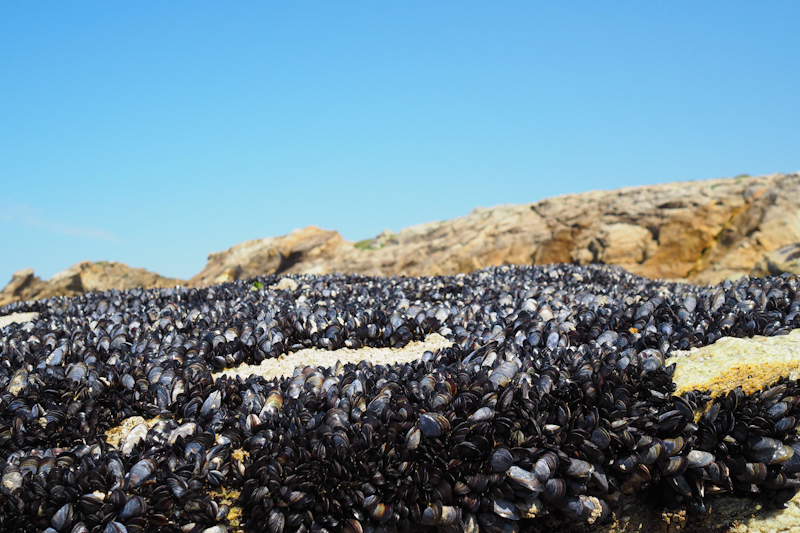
285	365
17	318
752	364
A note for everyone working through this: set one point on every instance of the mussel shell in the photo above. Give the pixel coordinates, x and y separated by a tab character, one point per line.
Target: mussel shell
525	478
546	466
141	472
413	438
136	506
62	519
580	469
501	459
506	509
699	459
433	424
437	514
554	490
482	415
769	451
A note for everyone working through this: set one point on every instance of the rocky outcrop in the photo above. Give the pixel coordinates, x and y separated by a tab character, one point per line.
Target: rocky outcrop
702	231
81	278
309	250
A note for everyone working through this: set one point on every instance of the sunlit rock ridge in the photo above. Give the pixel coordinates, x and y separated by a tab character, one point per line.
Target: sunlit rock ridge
699	231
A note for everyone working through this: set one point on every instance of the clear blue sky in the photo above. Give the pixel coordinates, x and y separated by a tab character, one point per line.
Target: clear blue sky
154	133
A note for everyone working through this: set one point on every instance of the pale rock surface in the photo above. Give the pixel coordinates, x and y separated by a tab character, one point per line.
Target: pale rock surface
730	362
17	318
286	365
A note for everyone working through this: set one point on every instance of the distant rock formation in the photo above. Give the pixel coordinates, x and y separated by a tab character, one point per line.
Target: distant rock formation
701	231
309	250
81	278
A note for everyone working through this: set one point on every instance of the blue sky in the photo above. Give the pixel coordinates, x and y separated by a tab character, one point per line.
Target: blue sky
154	133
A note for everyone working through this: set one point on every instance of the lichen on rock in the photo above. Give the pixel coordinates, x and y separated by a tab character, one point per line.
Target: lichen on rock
752	364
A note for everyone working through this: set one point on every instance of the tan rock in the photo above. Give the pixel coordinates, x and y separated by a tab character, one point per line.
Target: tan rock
703	232
622	243
273	255
752	363
784	259
81	278
287	364
23	284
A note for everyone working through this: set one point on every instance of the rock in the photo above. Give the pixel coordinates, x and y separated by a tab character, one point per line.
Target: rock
17	318
620	244
286	364
81	278
784	259
727	515
23	283
285	284
310	247
752	364
701	231
20	281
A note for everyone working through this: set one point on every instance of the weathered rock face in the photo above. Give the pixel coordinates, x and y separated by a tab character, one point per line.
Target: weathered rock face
703	232
307	250
81	278
785	259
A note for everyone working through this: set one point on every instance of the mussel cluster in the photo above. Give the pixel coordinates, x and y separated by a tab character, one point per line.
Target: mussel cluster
553	400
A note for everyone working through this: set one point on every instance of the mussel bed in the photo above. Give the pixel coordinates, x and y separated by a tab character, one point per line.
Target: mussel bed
553	400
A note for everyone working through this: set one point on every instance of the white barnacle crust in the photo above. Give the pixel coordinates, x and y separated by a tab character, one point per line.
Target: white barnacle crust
286	364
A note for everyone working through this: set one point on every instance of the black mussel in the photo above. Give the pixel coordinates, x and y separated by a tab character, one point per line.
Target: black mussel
699	459
525	478
141	472
62	519
437	514
433	424
501	459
